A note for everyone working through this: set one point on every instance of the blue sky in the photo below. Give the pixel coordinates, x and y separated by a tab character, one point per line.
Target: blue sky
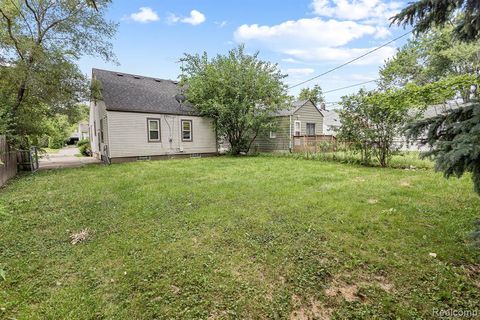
305	37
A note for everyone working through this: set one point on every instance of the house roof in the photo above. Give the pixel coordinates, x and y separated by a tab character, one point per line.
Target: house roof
133	93
294	108
331	118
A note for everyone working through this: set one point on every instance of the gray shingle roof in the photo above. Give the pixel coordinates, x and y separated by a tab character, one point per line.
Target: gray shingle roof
132	93
290	111
331	118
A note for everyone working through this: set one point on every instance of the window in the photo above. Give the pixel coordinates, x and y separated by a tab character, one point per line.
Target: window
310	129
273	134
101	130
297	128
187	130
153	130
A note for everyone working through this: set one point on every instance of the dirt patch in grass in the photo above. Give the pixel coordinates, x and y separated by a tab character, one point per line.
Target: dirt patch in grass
349	289
81	236
473	272
346	291
405	183
313	309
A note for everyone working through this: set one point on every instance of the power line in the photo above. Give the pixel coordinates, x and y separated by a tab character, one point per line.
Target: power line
351	86
350	61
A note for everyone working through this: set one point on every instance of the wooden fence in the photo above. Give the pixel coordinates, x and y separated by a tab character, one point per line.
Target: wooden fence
314	144
8	165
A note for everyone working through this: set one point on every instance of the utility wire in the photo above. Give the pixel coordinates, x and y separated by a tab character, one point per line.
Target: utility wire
350	61
351	86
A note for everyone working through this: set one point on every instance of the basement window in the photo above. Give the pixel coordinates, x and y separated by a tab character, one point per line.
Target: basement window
187	130
153	126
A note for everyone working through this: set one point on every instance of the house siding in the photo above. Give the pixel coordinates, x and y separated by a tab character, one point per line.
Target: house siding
282	141
308	113
98	112
128	135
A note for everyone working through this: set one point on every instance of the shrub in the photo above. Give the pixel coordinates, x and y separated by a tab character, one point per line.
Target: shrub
83	142
84	148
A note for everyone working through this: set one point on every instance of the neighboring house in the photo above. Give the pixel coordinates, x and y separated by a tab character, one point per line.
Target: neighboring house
430	112
83	130
331	122
141	118
303	119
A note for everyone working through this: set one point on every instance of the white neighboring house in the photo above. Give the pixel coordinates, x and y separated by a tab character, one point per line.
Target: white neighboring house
142	118
83	130
430	112
331	122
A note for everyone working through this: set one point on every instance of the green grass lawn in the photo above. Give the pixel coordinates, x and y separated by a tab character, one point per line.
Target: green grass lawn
218	238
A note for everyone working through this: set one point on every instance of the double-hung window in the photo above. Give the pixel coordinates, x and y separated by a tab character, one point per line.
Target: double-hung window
153	126
310	129
297	128
187	133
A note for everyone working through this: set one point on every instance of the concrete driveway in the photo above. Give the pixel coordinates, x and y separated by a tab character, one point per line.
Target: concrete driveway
65	158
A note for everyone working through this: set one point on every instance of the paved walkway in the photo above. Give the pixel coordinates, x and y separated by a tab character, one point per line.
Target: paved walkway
65	158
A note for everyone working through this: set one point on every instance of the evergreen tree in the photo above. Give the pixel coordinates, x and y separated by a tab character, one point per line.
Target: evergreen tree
423	15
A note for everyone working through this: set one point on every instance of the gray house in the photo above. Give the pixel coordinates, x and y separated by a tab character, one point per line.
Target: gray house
301	121
140	118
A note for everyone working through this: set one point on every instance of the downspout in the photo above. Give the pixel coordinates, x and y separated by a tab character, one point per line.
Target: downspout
290	134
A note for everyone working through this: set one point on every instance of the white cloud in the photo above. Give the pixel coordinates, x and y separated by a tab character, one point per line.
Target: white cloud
382	33
315	40
290	60
311	32
299	71
374	10
145	15
341	54
195	18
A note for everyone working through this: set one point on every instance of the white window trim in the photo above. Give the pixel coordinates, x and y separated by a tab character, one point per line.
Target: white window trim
299	128
191	130
149	120
273	135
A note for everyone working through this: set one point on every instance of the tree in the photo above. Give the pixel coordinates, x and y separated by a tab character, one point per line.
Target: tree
429	58
372	122
40	42
424	15
238	91
453	137
314	94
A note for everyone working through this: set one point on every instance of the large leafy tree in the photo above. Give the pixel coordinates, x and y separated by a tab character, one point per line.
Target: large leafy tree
40	42
429	58
238	91
372	122
314	94
454	136
424	15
